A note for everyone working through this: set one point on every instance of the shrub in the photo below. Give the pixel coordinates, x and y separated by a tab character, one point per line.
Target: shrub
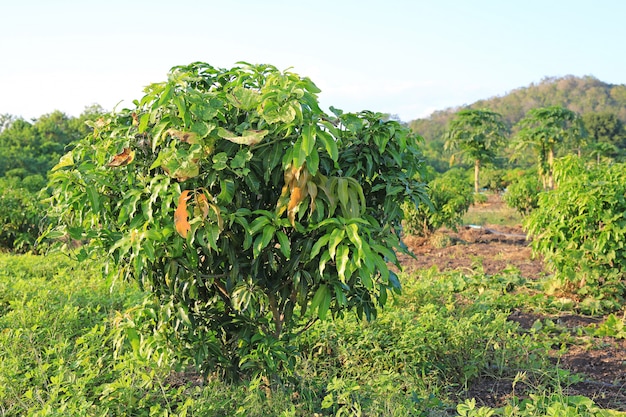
21	213
451	196
248	211
580	229
493	179
523	194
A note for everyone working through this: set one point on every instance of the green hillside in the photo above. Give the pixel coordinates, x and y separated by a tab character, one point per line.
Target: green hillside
580	94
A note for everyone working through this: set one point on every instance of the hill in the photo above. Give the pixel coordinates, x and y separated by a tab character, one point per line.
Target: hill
581	94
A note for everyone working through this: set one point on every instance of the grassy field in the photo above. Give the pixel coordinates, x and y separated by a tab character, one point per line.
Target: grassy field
492	211
74	344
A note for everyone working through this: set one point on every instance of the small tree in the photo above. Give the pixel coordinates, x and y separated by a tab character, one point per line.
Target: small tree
523	194
580	230
478	134
606	134
544	130
247	210
450	195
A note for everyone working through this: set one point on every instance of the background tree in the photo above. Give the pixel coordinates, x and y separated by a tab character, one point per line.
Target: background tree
248	211
606	134
32	148
477	134
545	130
27	152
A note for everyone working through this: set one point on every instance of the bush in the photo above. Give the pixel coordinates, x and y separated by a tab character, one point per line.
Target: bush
580	229
451	196
493	179
523	194
21	213
248	211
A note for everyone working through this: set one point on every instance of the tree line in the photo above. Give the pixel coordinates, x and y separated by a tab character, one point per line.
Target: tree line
28	150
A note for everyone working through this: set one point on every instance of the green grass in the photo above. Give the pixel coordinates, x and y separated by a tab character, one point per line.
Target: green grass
74	344
480	214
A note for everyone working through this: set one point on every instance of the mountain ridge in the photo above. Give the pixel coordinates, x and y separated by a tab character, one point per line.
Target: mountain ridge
586	94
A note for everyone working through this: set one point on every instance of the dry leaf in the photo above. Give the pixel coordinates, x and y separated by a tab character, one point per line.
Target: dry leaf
249	137
123	158
180	215
187	137
202	204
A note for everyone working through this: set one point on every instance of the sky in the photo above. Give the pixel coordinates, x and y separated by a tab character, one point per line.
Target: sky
403	57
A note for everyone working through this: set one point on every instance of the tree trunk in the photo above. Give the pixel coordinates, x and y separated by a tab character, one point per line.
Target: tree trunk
550	169
476	172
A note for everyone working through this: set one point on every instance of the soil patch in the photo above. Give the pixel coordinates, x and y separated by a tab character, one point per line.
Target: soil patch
492	247
600	362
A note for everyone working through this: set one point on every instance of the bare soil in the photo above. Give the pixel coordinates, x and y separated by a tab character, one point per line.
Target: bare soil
601	362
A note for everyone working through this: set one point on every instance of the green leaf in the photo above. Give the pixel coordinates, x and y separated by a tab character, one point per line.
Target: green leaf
180	163
133	339
55	234
340	296
94	198
299	153
184	317
244	98
336	237
227	192
321	301
272	113
342	191
318	246
308	139
323	260
258	224
65	161
241	158
167	93
220	161
388	254
329	144
343	256
143	122
366	279
353	234
148	249
202	129
313	162
285	246
268	234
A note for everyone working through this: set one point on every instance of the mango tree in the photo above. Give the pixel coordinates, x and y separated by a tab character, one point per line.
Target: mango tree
477	134
248	211
580	228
